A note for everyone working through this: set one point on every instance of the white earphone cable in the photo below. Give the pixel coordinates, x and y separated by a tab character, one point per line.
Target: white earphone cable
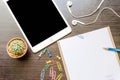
105	8
74	22
69	4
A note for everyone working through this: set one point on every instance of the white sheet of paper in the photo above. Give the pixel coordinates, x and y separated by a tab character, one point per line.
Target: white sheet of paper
85	59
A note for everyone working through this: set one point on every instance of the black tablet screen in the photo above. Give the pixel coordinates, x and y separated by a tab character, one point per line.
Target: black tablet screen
39	19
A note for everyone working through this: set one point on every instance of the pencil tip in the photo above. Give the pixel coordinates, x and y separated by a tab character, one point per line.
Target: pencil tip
105	48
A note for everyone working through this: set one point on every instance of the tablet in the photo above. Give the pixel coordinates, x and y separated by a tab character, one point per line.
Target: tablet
41	22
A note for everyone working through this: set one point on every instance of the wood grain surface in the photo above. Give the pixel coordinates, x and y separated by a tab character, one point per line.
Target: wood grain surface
29	66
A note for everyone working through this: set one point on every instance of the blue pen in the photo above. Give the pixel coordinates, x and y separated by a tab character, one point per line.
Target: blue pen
113	49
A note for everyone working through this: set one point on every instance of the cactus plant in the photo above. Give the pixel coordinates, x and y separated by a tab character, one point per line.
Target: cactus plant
16	47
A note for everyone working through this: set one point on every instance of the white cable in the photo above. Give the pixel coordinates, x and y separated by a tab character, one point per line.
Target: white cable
69	4
74	22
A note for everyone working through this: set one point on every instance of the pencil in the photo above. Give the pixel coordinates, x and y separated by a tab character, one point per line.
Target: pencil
113	49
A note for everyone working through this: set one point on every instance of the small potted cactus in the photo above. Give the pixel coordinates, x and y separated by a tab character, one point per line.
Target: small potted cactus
16	47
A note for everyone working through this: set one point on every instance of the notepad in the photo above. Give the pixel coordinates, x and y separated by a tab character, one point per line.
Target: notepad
84	58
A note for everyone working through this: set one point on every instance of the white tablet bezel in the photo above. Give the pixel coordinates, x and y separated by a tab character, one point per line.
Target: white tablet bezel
48	41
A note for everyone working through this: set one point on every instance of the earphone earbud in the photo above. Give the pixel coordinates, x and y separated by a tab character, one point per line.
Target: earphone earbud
69	3
74	22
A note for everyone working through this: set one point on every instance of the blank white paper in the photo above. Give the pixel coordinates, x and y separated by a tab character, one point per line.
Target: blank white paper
85	58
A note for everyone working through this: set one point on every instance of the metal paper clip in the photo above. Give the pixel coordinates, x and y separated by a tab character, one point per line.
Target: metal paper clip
42	75
59	66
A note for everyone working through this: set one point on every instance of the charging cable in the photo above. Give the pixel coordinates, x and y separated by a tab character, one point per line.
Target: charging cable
74	22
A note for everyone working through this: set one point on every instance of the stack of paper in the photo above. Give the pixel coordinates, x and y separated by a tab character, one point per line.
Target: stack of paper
84	56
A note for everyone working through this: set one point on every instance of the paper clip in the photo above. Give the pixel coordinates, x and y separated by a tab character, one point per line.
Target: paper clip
49	54
48	62
52	73
58	57
44	51
81	36
59	66
42	75
53	63
59	76
40	54
46	66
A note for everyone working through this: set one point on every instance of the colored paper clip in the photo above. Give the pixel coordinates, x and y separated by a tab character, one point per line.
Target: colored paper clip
44	51
58	57
49	54
42	75
53	63
59	66
52	73
40	54
46	66
59	76
48	62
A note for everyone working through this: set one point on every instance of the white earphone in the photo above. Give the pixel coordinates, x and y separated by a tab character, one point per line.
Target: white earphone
74	22
69	3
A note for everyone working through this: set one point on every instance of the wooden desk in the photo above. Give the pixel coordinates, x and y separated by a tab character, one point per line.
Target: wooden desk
29	67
